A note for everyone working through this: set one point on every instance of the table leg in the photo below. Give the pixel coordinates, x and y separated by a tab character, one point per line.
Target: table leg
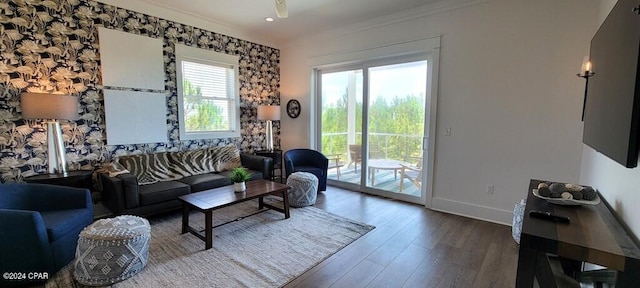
373	176
631	277
185	217
260	202
285	204
208	232
527	259
543	273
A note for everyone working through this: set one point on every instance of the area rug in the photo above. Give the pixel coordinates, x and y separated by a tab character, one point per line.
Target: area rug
262	250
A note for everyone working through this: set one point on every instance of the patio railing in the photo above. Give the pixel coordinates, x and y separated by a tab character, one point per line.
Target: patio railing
404	147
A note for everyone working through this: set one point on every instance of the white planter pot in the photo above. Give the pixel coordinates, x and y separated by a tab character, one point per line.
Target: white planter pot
239	187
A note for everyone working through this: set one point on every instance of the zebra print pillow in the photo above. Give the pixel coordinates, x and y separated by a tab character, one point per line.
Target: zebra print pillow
225	157
149	168
200	161
192	162
167	166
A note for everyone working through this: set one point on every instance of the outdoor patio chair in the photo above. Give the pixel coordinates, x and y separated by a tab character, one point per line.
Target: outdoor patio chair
413	173
355	155
335	162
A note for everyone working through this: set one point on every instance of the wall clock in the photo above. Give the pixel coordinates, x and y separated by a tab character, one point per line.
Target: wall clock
293	108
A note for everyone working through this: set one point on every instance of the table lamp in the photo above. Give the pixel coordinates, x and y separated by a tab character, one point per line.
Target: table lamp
51	107
269	113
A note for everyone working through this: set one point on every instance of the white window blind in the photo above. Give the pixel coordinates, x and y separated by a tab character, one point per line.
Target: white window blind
208	94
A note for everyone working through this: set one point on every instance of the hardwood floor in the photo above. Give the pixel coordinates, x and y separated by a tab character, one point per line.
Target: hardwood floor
412	246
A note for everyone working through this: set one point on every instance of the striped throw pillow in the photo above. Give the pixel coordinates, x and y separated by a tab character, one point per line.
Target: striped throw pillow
225	157
149	168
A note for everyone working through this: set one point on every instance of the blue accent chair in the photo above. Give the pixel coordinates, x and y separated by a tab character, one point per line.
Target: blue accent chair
307	160
40	225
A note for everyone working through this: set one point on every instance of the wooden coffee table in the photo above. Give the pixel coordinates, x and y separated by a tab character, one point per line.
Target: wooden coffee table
209	200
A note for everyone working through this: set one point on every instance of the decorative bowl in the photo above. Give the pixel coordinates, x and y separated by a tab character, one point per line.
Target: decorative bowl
568	202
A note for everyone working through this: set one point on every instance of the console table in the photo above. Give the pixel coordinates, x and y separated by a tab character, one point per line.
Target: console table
276	155
593	235
77	179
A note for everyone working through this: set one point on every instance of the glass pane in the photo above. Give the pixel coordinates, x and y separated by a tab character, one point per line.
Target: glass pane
207	98
341	123
207	80
397	95
204	115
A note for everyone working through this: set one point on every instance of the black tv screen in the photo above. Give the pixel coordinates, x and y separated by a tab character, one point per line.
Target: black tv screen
612	106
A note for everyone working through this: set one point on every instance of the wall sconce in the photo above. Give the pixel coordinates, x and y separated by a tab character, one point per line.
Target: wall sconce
269	113
585	72
51	107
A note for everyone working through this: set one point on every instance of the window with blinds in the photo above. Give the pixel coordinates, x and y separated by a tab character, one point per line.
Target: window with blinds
208	100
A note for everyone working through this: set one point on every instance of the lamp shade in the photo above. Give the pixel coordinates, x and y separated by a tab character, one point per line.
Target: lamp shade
269	112
49	106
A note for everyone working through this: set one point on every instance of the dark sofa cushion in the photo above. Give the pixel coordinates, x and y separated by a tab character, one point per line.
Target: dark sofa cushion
206	181
162	191
61	222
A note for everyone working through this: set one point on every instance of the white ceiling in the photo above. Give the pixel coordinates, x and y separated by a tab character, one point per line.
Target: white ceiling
305	16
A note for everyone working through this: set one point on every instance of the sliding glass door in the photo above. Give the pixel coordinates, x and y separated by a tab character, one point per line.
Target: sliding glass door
372	125
395	128
341	123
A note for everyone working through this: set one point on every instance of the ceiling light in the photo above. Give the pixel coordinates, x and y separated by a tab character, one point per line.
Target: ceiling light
268	19
281	9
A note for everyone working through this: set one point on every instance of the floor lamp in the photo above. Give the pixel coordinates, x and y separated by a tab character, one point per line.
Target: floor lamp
269	113
51	107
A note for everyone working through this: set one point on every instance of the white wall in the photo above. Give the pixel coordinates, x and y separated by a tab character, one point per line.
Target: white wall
508	90
618	185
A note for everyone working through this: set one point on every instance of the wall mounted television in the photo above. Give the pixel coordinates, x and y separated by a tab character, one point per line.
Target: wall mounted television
612	106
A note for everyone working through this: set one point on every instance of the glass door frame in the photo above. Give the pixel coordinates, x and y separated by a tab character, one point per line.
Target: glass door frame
317	120
428	142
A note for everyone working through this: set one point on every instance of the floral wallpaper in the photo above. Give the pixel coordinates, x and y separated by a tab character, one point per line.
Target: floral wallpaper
53	46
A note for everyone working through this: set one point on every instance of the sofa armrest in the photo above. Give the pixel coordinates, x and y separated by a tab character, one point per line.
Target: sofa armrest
25	242
120	192
258	163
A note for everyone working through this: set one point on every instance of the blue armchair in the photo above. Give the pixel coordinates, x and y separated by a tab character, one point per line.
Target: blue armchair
39	226
307	160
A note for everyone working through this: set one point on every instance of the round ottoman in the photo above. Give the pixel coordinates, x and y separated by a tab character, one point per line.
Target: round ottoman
111	250
518	215
304	189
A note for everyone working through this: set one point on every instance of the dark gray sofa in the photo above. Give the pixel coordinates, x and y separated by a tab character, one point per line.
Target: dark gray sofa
154	185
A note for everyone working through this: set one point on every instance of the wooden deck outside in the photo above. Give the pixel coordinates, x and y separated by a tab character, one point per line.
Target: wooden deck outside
385	180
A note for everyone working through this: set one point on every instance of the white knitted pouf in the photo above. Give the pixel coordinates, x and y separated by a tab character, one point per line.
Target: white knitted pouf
304	189
518	214
112	250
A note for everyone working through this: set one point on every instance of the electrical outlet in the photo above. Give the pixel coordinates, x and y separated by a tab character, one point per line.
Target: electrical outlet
447	131
490	189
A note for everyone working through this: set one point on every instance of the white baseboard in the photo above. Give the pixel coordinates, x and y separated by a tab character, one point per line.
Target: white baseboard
490	214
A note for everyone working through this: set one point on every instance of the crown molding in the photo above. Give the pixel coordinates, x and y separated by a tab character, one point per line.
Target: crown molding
181	16
433	8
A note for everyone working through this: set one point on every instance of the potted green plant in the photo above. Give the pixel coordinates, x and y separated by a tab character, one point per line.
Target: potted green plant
239	176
